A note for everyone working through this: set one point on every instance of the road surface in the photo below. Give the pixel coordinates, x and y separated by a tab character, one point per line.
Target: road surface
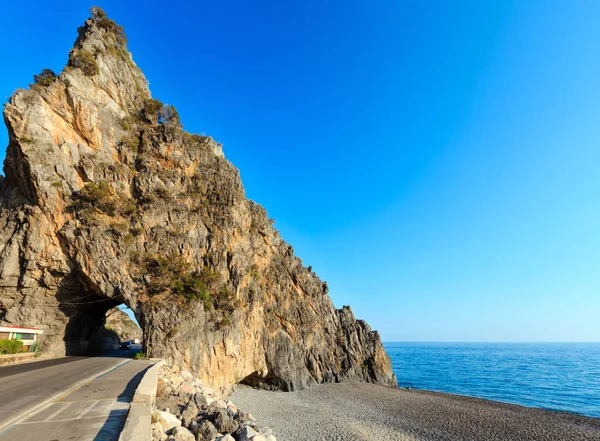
25	386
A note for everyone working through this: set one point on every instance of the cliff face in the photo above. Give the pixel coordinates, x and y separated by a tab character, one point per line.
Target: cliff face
119	322
107	200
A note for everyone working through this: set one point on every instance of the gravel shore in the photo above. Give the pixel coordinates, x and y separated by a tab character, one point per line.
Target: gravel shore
365	412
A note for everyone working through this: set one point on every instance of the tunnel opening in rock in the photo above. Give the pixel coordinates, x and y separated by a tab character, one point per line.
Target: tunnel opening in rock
87	308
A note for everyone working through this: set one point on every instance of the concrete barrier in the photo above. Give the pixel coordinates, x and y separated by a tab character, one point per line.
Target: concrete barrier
138	426
16	358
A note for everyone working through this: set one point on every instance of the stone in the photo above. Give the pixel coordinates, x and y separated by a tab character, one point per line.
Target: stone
226	437
194	426
103	204
224	421
221	403
169	403
166	419
247	434
206	431
183	434
202	399
158	432
189	413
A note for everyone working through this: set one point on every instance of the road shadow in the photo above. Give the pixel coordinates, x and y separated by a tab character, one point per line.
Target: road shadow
127	395
14	369
113	426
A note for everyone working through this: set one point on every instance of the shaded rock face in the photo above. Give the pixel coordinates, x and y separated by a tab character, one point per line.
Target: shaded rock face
119	322
107	201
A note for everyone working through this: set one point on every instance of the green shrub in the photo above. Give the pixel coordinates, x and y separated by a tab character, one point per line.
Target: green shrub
150	110
224	323
139	355
126	123
37	348
84	60
102	21
156	112
101	197
45	77
132	142
27	140
12	346
173	274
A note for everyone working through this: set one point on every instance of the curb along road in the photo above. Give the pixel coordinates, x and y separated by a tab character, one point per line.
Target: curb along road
138	426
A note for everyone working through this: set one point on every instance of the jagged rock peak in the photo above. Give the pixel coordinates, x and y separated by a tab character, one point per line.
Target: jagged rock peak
107	200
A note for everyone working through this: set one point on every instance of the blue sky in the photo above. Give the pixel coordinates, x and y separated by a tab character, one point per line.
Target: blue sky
436	162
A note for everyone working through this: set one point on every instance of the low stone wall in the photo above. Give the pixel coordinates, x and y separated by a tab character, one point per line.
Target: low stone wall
16	358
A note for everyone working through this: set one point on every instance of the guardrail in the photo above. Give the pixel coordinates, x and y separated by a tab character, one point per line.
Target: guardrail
138	426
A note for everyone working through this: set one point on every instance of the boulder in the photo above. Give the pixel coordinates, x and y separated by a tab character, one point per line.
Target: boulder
247	434
202	399
183	434
206	431
224	421
189	413
167	420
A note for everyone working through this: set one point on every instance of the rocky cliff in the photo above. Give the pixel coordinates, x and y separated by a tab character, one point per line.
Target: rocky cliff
107	200
119	322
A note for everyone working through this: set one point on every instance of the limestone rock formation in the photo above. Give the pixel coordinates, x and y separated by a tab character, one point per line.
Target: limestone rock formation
107	200
119	322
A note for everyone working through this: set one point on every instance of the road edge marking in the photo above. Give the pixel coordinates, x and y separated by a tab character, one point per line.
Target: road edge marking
4	427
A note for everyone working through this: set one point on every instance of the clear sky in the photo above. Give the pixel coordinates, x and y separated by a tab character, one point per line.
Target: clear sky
437	162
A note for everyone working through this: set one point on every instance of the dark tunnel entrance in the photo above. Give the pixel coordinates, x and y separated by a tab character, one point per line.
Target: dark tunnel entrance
86	332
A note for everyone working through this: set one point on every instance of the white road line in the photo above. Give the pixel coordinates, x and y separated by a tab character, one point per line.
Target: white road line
107	416
65	405
20	418
86	410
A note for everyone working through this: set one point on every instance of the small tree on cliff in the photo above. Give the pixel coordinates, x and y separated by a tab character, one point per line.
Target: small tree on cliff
156	112
100	18
167	115
45	77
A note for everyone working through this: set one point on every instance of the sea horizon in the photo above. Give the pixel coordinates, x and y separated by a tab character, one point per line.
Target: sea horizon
558	376
488	342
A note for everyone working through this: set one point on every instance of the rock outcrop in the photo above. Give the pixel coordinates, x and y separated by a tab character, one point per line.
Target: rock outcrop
119	322
107	200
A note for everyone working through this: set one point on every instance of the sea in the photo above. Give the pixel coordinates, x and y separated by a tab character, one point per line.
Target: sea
556	376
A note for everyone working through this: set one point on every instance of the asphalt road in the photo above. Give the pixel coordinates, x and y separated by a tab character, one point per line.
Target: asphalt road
24	386
94	411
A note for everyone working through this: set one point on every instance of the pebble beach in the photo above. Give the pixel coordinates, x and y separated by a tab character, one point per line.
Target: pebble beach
365	412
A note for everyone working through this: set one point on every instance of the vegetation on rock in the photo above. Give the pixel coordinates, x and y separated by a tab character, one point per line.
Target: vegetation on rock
84	60
205	264
99	17
101	197
173	274
155	112
45	77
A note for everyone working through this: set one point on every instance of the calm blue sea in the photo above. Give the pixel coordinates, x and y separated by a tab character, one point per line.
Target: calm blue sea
558	376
